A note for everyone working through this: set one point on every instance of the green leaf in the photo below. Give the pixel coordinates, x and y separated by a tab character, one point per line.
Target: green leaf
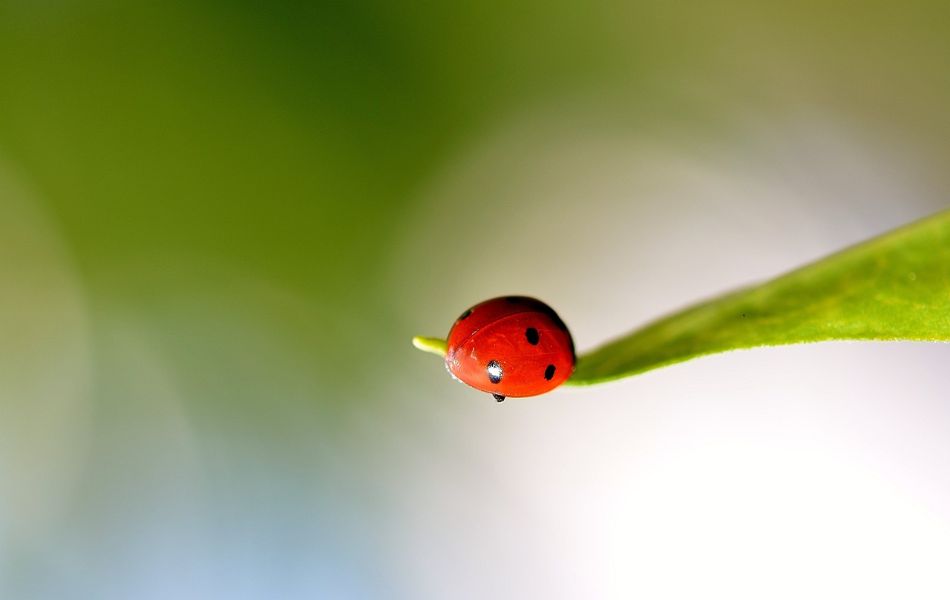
893	287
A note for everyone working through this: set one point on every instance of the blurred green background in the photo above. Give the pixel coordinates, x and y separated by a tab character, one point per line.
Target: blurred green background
222	222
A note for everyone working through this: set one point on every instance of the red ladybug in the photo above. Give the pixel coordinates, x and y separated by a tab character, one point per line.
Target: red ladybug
510	346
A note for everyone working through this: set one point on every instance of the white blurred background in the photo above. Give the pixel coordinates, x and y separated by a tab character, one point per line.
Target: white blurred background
817	471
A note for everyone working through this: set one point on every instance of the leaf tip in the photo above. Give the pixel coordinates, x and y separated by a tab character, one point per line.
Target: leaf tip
430	345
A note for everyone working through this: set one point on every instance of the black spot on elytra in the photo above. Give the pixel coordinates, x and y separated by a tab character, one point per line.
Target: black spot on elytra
513	299
465	315
494	371
532	334
549	372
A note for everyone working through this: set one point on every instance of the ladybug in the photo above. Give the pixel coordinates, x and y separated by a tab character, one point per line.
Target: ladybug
510	346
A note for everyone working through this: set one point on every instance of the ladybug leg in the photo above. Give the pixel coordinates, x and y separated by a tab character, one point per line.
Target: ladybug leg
498	397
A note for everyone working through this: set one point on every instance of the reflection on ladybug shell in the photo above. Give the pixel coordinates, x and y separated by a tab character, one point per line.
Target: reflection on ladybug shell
510	346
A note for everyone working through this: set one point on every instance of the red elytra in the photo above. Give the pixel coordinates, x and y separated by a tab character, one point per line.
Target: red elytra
510	346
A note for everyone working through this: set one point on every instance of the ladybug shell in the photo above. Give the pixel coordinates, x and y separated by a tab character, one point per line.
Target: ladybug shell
510	346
